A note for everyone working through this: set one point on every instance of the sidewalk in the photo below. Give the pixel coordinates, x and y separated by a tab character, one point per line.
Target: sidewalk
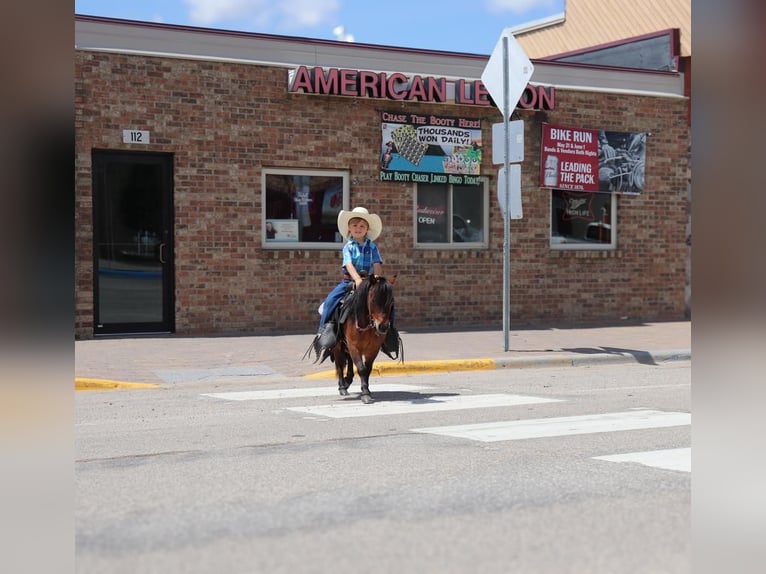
110	363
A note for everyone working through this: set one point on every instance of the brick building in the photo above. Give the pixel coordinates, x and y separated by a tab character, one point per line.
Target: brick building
192	145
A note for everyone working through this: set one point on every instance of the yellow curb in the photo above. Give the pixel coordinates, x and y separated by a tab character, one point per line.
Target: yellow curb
83	384
413	367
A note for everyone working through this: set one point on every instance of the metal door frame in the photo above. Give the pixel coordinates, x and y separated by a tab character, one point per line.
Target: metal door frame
100	159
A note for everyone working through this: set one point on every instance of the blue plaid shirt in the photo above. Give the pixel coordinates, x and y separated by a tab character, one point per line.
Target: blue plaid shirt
362	256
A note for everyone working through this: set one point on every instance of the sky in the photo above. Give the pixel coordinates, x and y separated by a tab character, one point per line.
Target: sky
467	26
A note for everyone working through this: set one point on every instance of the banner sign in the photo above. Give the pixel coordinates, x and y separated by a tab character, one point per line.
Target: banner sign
424	148
592	160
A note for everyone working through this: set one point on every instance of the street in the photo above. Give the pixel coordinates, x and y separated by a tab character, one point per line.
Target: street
547	470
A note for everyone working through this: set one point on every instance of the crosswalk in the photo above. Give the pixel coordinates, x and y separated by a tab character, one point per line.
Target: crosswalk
417	400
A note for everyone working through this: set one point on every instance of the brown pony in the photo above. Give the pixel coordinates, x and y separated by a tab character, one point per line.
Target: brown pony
363	333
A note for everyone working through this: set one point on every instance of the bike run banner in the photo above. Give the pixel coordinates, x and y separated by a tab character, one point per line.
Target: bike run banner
424	148
592	160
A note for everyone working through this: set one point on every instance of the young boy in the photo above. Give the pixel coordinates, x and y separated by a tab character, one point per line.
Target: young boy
360	254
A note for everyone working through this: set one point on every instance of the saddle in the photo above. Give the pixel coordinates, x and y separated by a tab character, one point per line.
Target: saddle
343	310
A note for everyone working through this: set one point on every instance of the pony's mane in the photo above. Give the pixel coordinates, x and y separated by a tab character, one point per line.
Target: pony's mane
383	293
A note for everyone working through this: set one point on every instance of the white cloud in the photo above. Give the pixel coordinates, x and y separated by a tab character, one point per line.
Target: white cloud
308	13
341	35
518	6
272	16
207	12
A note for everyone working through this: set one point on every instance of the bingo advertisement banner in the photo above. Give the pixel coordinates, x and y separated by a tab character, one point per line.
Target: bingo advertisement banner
424	148
592	160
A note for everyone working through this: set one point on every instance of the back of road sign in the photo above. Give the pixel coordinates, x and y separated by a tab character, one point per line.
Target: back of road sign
519	71
516	141
514	190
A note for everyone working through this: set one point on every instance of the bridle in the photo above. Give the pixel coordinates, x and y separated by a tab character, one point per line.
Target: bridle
372	324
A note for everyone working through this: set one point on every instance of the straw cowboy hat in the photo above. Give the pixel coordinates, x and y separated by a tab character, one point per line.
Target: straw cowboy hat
371	218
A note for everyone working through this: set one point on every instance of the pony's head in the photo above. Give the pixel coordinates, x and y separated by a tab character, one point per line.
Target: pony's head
373	303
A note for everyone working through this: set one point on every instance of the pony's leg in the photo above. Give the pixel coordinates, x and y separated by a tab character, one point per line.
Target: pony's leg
364	378
340	362
349	372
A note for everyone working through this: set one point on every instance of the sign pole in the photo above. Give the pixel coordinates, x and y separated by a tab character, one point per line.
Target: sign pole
511	82
507	213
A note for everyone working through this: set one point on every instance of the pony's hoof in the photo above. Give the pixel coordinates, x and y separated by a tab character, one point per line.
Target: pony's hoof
367	399
343	392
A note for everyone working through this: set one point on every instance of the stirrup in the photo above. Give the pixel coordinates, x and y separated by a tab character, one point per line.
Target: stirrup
324	342
326	337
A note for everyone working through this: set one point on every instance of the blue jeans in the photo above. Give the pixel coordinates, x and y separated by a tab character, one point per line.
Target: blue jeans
333	300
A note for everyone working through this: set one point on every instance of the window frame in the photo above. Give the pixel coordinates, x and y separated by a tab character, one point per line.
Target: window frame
453	245
584	246
295	171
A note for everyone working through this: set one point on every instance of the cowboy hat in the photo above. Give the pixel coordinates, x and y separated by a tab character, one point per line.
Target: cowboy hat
371	218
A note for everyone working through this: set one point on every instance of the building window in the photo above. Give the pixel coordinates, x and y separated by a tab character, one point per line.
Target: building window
583	220
451	215
301	207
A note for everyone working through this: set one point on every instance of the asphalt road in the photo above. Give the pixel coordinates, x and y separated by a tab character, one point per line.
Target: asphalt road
491	471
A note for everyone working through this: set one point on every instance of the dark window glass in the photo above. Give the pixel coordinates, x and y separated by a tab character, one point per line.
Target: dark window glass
582	219
303	207
451	213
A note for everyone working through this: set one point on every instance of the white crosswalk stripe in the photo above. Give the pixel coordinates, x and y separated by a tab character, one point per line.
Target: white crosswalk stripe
561	426
426	404
670	459
270	394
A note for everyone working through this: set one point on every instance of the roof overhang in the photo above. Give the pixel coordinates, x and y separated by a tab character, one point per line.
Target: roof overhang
171	41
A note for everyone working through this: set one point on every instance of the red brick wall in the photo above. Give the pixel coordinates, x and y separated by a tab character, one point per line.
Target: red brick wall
224	121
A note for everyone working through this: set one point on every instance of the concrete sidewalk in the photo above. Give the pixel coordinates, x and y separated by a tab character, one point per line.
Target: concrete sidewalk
141	361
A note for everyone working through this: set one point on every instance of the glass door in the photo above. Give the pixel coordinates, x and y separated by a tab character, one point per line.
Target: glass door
133	242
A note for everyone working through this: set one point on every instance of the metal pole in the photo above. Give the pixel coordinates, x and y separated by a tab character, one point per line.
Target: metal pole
507	213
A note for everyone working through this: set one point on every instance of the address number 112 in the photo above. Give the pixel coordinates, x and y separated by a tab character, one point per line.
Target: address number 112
135	136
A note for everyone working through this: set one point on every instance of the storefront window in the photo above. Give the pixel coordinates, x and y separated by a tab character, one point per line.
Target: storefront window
451	214
582	220
302	207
